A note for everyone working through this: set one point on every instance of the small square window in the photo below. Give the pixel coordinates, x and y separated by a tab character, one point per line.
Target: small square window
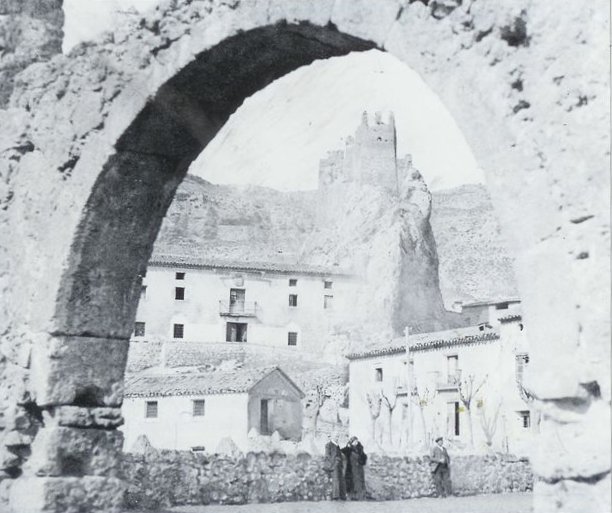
525	418
293	300
198	407
292	338
143	292
292	282
139	329
179	330
327	284
179	293
378	374
328	302
180	276
151	410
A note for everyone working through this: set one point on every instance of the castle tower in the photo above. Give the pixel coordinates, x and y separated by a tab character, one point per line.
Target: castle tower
369	156
373	153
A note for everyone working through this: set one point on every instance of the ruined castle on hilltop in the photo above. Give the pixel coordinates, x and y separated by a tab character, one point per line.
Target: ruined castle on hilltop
369	157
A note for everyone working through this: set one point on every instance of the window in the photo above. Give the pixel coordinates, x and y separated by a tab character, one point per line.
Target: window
198	407
179	330
292	299
151	410
378	374
328	302
180	276
525	419
179	293
139	329
292	282
452	369
327	284
521	361
292	338
501	306
143	292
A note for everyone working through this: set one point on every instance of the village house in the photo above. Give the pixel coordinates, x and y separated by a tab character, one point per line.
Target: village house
195	411
281	305
464	384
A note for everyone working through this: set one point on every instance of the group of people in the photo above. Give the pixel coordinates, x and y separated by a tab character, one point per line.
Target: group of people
345	464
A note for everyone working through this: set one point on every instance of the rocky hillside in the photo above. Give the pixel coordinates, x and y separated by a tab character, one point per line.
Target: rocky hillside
474	260
369	231
258	224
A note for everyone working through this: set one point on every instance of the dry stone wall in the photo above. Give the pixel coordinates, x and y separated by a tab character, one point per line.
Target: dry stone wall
168	478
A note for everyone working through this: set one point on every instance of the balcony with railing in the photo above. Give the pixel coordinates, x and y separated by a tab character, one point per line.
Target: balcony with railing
451	381
238	308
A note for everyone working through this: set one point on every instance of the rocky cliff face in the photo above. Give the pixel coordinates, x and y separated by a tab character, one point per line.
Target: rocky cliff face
363	228
475	262
383	238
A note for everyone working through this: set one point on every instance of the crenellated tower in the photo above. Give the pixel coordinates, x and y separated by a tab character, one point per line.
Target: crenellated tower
369	157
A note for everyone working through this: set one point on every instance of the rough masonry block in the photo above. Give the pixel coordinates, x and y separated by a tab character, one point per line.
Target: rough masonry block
78	416
66	451
81	371
569	496
66	495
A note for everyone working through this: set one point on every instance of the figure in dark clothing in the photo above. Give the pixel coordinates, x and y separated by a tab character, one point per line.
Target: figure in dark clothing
441	468
356	458
334	464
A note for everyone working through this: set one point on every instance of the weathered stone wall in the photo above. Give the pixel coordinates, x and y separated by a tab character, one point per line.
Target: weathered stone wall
94	144
30	31
177	478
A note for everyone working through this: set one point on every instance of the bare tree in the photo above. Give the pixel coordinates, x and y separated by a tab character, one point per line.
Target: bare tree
488	423
374	399
421	399
389	399
530	399
467	392
314	402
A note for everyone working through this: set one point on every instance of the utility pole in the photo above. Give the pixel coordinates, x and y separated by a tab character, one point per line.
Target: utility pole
409	389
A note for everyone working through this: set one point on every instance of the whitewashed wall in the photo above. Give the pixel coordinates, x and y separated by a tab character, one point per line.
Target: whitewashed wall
199	311
175	427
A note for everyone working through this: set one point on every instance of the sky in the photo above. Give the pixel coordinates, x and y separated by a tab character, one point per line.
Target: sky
277	137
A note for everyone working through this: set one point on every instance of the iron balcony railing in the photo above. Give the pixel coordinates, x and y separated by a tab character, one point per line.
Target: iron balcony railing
238	308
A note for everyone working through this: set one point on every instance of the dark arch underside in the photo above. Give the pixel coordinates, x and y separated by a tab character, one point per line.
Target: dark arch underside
100	288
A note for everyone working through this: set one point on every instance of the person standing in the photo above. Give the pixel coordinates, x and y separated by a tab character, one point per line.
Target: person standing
356	459
441	468
334	465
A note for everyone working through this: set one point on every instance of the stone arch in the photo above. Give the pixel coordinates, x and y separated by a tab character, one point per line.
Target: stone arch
99	140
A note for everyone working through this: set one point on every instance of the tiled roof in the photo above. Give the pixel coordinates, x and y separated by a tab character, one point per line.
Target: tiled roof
162	260
510	318
202	383
433	340
486	302
396	346
447	338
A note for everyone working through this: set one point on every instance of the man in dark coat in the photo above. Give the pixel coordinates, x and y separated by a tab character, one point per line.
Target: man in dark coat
441	468
356	458
334	464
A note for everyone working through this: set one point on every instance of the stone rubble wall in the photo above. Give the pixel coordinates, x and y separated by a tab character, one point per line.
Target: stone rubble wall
171	478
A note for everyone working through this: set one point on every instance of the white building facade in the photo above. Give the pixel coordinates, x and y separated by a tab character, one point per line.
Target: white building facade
268	304
195	411
463	384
